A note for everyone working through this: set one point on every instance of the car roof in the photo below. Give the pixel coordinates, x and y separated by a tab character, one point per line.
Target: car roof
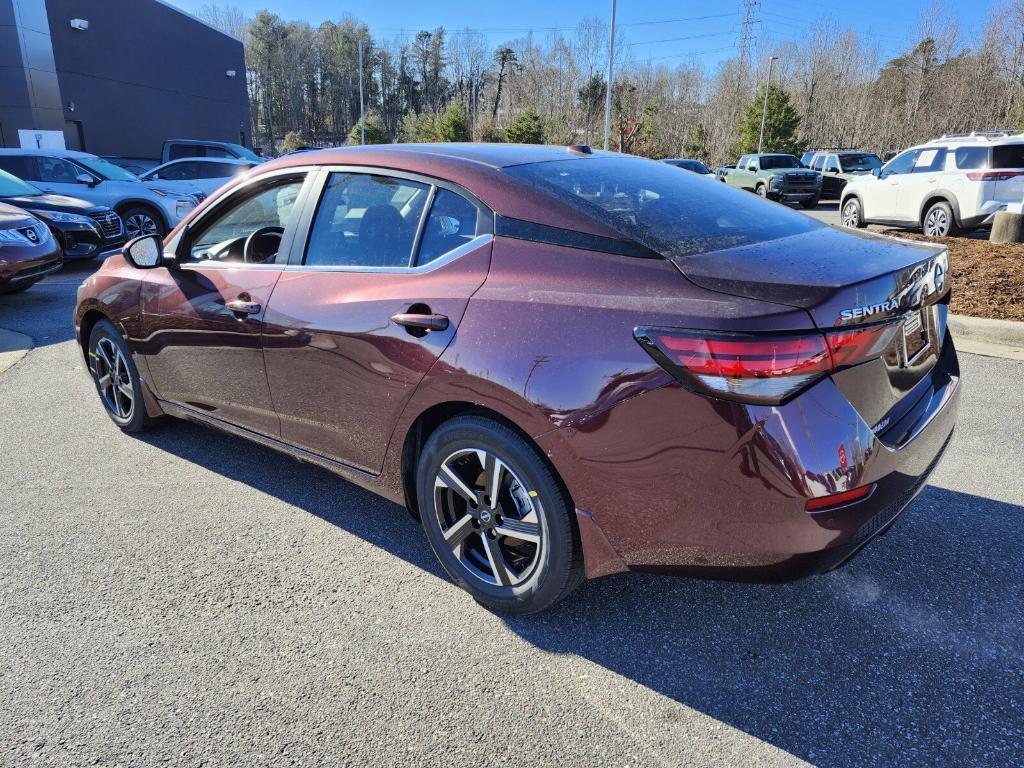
475	167
493	155
44	151
206	142
228	160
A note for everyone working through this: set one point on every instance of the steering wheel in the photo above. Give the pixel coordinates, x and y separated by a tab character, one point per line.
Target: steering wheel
249	252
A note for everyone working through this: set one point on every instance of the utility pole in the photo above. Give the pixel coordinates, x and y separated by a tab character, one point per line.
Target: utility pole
608	92
764	110
362	105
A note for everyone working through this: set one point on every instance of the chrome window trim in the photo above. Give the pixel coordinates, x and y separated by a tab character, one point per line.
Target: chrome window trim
300	245
452	255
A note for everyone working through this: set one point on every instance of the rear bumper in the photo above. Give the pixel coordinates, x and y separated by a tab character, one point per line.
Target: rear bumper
684	484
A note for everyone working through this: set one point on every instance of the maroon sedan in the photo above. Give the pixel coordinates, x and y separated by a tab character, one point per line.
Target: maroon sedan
566	363
28	251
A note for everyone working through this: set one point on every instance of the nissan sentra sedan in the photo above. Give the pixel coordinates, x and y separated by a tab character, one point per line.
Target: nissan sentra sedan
565	363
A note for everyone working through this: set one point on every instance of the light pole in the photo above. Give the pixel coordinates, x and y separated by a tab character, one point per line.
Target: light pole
764	111
608	93
362	117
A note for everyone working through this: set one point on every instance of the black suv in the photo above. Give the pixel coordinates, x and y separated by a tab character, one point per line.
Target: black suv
83	230
838	167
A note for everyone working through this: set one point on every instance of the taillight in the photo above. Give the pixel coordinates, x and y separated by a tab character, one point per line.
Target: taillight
760	368
993	175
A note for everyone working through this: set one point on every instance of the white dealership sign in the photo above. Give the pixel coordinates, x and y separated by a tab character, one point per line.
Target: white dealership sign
41	139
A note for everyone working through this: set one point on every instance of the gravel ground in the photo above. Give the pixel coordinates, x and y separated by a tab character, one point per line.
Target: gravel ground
190	599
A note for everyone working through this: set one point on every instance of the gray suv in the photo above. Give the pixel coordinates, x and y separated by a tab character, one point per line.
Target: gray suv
146	207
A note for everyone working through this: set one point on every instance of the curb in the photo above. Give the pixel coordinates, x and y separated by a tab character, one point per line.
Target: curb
992	338
13	347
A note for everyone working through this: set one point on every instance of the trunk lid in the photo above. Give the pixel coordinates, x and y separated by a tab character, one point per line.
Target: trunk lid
844	279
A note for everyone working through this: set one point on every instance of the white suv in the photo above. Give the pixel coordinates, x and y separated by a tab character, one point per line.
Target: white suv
147	207
950	184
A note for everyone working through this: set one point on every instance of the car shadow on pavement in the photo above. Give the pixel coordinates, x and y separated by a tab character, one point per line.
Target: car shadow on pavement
912	653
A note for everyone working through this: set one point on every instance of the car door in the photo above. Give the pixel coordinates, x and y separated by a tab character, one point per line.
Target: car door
832	183
924	178
368	305
202	317
881	196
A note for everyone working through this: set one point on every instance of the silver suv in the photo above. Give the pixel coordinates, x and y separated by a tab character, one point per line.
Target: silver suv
146	207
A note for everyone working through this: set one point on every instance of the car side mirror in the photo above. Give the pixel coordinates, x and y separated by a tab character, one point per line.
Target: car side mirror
144	252
876	172
833	169
85	178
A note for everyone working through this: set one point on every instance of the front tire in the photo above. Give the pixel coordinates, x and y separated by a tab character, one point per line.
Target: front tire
812	203
762	191
939	221
140	220
117	379
852	215
496	517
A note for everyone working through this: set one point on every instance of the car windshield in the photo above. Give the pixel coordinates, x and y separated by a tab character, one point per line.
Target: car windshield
12	186
106	169
859	163
674	214
779	161
245	153
691	165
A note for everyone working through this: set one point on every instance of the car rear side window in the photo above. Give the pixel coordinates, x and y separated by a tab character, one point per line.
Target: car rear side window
971	158
1008	156
178	151
451	223
366	220
23	167
673	214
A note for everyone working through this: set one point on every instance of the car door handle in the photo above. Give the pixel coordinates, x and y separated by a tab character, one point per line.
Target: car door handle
244	306
422	322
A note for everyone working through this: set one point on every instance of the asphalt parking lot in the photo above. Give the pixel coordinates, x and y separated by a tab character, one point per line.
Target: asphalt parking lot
185	598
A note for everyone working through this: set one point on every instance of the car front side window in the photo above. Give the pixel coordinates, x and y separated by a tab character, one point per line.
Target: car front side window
269	208
56	170
901	163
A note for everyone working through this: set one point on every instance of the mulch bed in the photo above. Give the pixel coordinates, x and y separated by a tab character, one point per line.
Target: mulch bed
988	279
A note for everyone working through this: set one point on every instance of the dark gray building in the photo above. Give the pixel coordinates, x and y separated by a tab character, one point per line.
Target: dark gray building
118	77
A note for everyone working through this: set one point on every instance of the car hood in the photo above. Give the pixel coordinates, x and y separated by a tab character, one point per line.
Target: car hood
840	277
49	202
12	217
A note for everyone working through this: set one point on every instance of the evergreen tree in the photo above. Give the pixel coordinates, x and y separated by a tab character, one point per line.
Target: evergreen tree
454	124
525	129
780	125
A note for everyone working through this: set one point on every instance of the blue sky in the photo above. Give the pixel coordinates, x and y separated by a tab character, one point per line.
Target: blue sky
667	31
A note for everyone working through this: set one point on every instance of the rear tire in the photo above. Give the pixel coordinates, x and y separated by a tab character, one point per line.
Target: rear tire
117	379
478	485
939	221
851	214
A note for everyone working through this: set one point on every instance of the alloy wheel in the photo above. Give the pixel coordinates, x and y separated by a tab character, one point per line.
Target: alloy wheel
851	214
488	517
139	224
113	379
937	223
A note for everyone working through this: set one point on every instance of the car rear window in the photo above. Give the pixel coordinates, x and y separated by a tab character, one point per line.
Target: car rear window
674	214
1008	156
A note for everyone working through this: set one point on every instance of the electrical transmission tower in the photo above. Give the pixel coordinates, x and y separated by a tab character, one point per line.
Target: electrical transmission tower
749	9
